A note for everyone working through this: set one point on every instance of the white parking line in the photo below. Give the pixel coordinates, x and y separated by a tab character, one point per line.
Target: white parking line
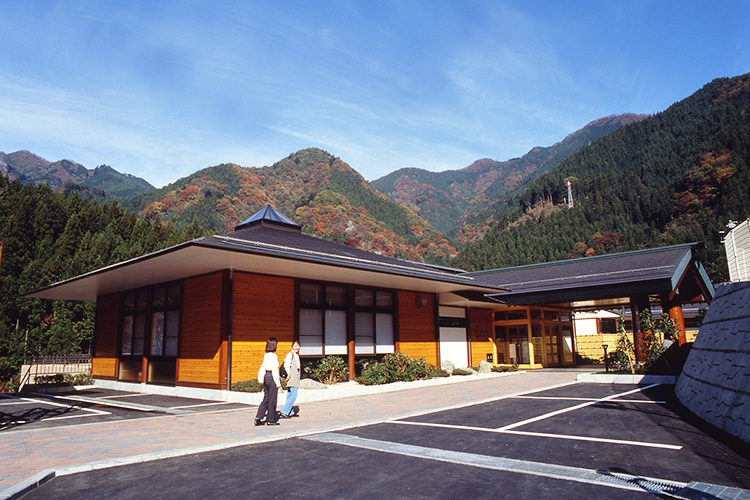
567	473
552	398
572	408
510	429
21	400
543	434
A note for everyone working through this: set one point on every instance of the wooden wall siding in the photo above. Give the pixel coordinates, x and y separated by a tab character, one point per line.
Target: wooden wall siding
417	335
104	363
105	368
480	321
201	334
262	307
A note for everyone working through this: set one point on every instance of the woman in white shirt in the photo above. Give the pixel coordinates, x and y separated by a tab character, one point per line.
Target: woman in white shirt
292	366
268	375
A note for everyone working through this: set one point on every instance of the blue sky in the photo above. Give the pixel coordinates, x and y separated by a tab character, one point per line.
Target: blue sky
163	89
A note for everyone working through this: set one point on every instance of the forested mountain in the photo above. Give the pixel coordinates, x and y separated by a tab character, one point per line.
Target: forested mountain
451	199
47	237
320	192
676	177
103	181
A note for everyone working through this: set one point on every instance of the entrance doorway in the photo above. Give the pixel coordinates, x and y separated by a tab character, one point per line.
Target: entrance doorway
453	339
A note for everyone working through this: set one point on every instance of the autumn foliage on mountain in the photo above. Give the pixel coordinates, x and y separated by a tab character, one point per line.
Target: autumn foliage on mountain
320	192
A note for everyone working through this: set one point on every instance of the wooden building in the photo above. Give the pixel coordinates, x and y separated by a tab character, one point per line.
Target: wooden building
198	314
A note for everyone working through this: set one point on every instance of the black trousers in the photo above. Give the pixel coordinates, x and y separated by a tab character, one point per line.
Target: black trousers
267	408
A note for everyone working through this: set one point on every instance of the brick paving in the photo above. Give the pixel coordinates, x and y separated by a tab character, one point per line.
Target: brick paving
26	453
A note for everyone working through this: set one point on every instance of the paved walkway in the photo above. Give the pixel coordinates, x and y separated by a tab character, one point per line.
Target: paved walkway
26	454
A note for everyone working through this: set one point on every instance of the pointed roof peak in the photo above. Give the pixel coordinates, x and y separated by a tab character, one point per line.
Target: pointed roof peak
269	216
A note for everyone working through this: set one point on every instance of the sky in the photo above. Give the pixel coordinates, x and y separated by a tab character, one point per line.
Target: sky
162	89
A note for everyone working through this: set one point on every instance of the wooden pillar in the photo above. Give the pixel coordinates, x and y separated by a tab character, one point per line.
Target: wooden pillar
529	332
351	358
638	304
675	314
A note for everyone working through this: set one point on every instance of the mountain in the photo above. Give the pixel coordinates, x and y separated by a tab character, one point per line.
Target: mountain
675	177
67	175
320	192
451	199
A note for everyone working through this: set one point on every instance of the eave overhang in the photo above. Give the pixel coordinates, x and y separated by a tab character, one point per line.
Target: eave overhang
208	255
683	280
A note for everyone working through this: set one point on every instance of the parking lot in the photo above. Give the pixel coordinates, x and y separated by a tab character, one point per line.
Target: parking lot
601	440
36	411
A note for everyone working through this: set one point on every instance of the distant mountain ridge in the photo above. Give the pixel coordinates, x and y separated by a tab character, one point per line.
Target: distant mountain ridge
451	199
324	194
676	177
319	191
28	168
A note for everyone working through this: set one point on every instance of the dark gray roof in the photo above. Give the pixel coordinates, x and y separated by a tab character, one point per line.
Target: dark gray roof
267	215
642	272
268	240
273	244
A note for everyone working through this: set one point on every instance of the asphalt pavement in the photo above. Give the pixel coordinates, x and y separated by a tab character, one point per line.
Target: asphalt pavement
529	435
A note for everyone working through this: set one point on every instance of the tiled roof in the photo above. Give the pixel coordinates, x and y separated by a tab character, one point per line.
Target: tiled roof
654	270
272	241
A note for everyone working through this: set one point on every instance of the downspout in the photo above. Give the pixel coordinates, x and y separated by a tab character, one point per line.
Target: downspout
467	314
229	330
437	328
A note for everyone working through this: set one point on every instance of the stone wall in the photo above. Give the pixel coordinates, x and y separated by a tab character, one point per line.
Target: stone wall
715	382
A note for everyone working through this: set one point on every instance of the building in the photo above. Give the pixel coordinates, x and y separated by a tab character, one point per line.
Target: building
667	277
198	314
737	246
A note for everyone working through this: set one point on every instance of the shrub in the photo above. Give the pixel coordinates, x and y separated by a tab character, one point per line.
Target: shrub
501	369
435	372
251	385
330	370
78	379
374	374
398	367
50	380
622	359
64	379
462	371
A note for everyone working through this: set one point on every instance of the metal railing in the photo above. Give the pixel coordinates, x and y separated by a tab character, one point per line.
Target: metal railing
41	366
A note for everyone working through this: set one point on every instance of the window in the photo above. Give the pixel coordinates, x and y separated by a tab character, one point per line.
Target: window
373	321
322	319
135	309
165	320
608	325
162	305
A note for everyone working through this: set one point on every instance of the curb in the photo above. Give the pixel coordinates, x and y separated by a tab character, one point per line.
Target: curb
331	392
22	487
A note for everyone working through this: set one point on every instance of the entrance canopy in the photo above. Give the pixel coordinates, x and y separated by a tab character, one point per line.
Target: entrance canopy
671	273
